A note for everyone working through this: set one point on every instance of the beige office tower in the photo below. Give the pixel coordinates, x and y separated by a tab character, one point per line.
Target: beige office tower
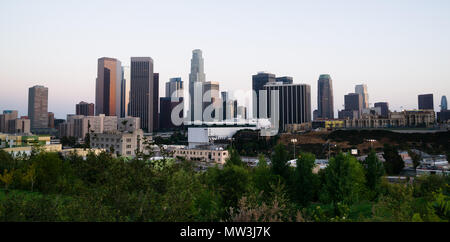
142	95
108	89
211	100
38	107
5	118
362	90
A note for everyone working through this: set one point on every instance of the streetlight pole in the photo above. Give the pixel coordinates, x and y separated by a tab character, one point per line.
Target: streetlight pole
294	141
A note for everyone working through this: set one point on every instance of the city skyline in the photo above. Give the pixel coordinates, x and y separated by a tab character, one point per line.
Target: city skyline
399	50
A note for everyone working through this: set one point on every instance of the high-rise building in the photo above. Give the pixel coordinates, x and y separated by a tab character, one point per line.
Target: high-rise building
258	82
426	102
142	92
51	120
294	103
38	107
285	79
155	101
109	83
211	94
168	105
325	100
444	103
354	102
362	90
242	112
384	109
196	80
84	108
174	87
5	118
126	90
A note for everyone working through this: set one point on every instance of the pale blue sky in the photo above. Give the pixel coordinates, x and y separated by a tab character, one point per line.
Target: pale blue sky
399	48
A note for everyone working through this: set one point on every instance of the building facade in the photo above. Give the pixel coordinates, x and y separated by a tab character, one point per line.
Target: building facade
168	105
142	92
293	102
426	102
38	107
84	108
108	91
196	80
325	101
362	90
384	108
119	143
258	83
174	87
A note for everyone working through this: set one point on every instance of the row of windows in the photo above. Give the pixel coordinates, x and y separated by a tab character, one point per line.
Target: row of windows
199	153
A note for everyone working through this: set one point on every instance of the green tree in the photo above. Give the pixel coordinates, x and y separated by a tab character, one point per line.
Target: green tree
304	185
374	171
415	157
7	178
234	158
394	163
280	166
344	181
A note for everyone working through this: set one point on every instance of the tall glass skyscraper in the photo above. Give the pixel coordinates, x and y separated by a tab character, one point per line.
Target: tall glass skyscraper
196	80
258	83
174	88
362	90
426	102
141	92
444	103
325	100
108	91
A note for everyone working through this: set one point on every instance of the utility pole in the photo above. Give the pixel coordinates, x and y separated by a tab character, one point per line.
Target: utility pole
294	141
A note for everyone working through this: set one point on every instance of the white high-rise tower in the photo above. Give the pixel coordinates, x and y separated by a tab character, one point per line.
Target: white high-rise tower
196	81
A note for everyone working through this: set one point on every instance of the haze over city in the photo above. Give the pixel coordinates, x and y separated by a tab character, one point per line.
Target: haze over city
399	49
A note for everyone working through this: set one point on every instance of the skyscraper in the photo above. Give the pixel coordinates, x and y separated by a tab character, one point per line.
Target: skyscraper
142	92
258	83
325	100
174	87
285	79
155	101
354	102
211	94
84	108
444	103
5	118
294	103
384	108
51	120
196	80
426	102
362	90
126	91
38	107
109	83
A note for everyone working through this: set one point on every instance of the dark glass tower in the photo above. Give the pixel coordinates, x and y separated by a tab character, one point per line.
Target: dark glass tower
325	101
258	82
426	102
141	92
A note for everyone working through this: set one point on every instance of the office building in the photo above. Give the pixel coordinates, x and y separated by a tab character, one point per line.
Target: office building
213	102
362	90
109	83
169	105
384	108
142	92
444	103
325	101
84	108
354	102
285	79
38	107
293	104
426	102
5	118
119	143
258	83
242	112
155	102
174	87
51	120
196	80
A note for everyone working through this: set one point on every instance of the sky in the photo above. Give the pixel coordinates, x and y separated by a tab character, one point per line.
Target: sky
399	48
